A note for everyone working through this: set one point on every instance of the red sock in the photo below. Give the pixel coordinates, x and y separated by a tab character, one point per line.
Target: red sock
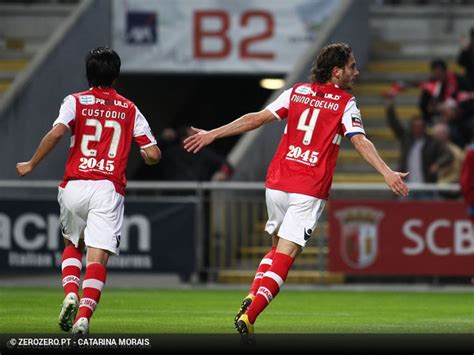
262	269
94	281
270	285
71	269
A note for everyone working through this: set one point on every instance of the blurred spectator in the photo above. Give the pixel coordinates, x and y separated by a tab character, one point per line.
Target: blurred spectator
455	115
467	177
463	123
450	173
466	57
446	98
439	92
179	165
420	154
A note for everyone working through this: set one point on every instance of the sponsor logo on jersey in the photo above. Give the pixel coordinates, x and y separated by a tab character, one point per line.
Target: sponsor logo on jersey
356	121
307	233
332	97
91	100
120	103
110	102
87	100
359	233
303	90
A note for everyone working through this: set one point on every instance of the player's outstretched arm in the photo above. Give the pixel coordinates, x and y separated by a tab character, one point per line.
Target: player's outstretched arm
46	145
241	125
393	179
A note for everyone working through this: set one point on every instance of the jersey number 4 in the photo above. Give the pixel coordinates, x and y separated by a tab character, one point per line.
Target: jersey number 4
308	127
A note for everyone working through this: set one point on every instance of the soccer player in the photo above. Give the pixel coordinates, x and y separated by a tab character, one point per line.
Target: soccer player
300	174
91	195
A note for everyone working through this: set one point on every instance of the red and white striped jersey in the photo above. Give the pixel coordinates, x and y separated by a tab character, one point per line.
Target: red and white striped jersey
103	125
318	116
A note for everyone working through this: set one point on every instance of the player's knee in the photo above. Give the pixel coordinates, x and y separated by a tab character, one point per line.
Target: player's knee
97	256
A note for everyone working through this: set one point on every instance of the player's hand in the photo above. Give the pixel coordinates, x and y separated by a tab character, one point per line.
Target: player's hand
198	140
143	154
24	168
145	157
395	181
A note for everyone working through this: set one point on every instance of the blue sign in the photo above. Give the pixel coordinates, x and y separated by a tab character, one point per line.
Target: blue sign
141	27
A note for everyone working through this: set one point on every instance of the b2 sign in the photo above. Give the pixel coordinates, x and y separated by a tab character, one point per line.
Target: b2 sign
216	36
205	34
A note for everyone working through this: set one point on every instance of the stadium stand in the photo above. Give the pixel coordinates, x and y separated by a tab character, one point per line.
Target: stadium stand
54	36
397	55
24	29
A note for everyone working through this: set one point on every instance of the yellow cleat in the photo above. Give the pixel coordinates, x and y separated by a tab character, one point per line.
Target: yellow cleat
245	328
243	307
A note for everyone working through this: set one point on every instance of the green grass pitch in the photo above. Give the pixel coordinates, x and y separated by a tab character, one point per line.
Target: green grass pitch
163	311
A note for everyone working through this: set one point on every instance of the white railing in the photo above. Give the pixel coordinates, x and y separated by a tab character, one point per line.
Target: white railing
230	216
231	185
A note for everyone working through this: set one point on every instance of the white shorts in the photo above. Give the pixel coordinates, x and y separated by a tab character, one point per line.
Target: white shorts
92	210
293	216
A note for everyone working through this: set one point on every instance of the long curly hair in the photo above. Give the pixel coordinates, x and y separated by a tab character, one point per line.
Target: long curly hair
333	55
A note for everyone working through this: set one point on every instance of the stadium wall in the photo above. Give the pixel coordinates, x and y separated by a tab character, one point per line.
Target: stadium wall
56	70
253	152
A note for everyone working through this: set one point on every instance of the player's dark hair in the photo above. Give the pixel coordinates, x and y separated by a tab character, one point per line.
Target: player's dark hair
102	67
333	55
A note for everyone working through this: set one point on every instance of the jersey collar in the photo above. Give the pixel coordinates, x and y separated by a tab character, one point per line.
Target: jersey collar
331	84
106	91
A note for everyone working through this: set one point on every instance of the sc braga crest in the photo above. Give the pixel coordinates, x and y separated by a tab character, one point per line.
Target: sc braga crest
359	228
